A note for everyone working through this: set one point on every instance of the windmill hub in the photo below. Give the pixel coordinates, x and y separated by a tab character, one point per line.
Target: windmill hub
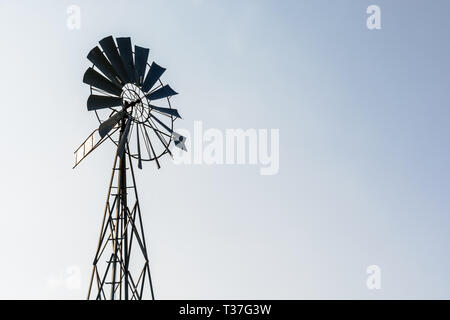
135	102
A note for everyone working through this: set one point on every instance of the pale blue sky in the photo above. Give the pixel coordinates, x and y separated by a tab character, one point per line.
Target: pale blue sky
363	118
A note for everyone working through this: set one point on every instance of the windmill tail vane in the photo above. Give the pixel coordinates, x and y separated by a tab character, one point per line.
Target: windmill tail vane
124	89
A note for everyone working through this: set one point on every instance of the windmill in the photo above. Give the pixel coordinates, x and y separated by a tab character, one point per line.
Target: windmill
123	89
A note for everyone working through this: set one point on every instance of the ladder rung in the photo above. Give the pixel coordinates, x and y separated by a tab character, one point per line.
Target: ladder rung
121	238
129	187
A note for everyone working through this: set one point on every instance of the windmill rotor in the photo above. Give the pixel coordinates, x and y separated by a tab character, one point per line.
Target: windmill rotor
124	85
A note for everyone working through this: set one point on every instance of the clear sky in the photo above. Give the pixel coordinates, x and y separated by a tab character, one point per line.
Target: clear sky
364	162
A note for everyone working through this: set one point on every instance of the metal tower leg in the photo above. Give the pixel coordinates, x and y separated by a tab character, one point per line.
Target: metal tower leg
116	258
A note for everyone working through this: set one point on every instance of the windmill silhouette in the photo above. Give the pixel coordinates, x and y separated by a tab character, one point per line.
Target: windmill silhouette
122	96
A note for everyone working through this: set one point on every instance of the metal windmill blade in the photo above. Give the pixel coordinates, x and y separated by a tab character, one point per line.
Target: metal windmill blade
98	81
154	73
109	124
172	112
111	52
122	85
96	102
99	60
126	54
140	63
163	92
